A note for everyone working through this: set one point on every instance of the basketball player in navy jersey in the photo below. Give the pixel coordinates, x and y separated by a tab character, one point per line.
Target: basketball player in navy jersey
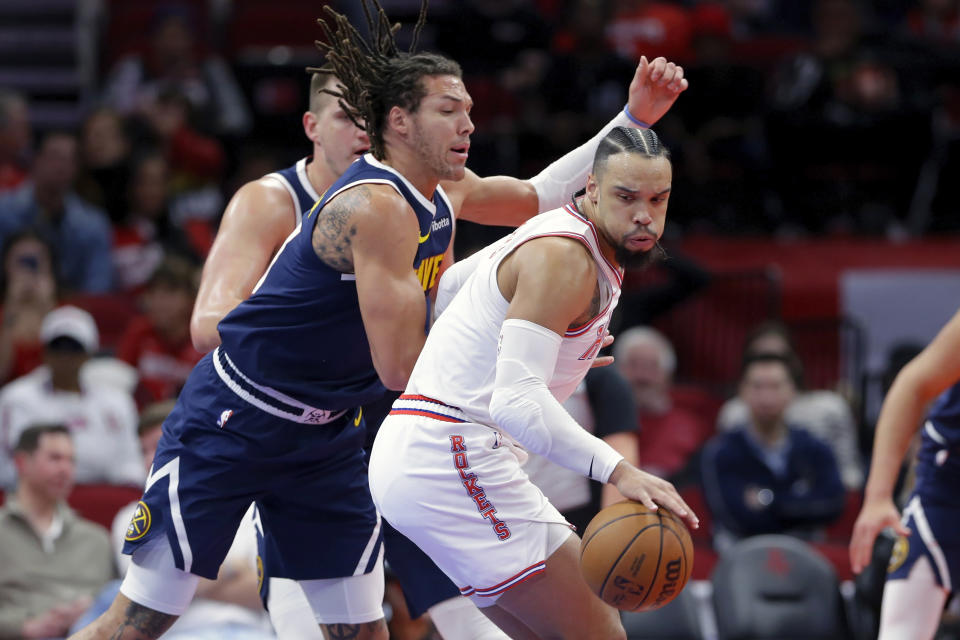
263	213
925	563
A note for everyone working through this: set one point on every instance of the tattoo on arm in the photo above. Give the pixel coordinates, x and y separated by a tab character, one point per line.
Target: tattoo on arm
354	631
334	232
142	623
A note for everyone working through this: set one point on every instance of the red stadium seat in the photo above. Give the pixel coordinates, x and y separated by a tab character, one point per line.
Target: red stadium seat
101	502
111	312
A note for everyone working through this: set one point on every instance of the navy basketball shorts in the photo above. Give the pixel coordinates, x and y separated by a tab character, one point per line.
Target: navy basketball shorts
218	454
934	533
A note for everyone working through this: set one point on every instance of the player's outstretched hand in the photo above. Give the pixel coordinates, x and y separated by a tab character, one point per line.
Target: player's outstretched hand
654	89
603	361
875	516
651	491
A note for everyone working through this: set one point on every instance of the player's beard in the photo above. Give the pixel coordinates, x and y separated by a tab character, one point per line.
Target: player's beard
639	259
432	157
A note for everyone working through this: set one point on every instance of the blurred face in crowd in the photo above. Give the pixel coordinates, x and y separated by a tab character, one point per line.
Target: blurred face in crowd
55	166
104	142
642	366
65	357
173	44
48	471
168	306
16	132
148	188
28	271
767	390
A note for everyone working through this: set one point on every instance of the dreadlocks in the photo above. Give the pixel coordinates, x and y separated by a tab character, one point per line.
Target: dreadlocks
375	77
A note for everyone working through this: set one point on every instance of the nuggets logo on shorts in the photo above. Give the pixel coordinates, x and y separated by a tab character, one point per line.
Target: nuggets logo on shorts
259	573
139	523
899	553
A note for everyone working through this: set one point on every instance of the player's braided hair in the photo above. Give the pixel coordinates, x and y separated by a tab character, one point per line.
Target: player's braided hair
375	76
619	139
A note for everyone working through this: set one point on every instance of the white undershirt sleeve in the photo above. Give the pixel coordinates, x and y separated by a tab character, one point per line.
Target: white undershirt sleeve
523	406
565	176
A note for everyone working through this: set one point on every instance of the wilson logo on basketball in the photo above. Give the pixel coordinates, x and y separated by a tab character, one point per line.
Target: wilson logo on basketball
669	588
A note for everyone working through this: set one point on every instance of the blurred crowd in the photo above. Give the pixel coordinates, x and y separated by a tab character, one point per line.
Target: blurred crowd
802	118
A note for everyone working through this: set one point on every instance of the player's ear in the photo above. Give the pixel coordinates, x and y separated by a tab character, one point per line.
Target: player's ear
399	119
593	188
310	125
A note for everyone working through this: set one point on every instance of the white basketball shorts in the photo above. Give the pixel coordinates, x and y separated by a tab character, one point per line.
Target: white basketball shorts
457	490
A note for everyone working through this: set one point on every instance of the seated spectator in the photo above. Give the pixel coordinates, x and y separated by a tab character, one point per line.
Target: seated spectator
766	476
824	413
15	139
158	343
174	60
52	562
104	162
145	234
29	292
78	231
603	405
669	434
101	418
228	607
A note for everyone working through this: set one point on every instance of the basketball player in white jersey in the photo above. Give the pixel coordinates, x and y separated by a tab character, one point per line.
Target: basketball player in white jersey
264	212
513	343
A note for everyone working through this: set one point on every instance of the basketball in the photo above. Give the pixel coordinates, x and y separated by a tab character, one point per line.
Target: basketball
636	559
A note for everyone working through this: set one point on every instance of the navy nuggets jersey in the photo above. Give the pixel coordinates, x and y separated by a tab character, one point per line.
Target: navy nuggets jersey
294	179
298	343
938	468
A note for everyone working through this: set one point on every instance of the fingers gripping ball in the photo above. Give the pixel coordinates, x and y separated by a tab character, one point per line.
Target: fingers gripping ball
635	559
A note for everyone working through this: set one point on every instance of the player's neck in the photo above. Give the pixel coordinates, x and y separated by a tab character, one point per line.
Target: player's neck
319	173
411	166
589	211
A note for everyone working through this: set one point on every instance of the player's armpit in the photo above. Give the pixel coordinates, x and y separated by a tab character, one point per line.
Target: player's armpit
549	281
383	239
257	220
495	200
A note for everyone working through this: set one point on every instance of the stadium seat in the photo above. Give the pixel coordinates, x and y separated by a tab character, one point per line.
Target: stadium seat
101	502
776	587
111	312
677	620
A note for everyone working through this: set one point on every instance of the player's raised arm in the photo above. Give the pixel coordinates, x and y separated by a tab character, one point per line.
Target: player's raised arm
502	200
919	382
371	231
255	223
551	284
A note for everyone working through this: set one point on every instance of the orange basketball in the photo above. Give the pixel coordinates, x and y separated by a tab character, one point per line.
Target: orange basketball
636	559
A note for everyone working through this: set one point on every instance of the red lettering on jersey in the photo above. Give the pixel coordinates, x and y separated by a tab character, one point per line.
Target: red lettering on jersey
594	349
503	532
460	461
470	484
489	515
481	499
456	444
464	476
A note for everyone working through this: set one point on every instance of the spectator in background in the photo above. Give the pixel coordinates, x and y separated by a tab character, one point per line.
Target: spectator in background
158	343
650	28
104	162
101	418
766	476
823	413
669	434
174	61
15	139
29	290
226	608
78	231
51	561
145	235
603	405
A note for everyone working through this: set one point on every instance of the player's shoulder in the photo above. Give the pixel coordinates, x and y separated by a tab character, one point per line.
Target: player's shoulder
372	202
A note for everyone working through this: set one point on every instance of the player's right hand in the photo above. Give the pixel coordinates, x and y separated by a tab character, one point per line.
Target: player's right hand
651	491
875	516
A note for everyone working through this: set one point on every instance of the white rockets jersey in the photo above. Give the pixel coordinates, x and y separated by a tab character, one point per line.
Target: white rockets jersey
458	363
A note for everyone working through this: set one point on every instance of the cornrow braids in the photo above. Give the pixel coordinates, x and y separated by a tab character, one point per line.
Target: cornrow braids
375	76
619	139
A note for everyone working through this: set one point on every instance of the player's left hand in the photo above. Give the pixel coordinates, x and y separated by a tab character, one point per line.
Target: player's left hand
654	89
603	361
